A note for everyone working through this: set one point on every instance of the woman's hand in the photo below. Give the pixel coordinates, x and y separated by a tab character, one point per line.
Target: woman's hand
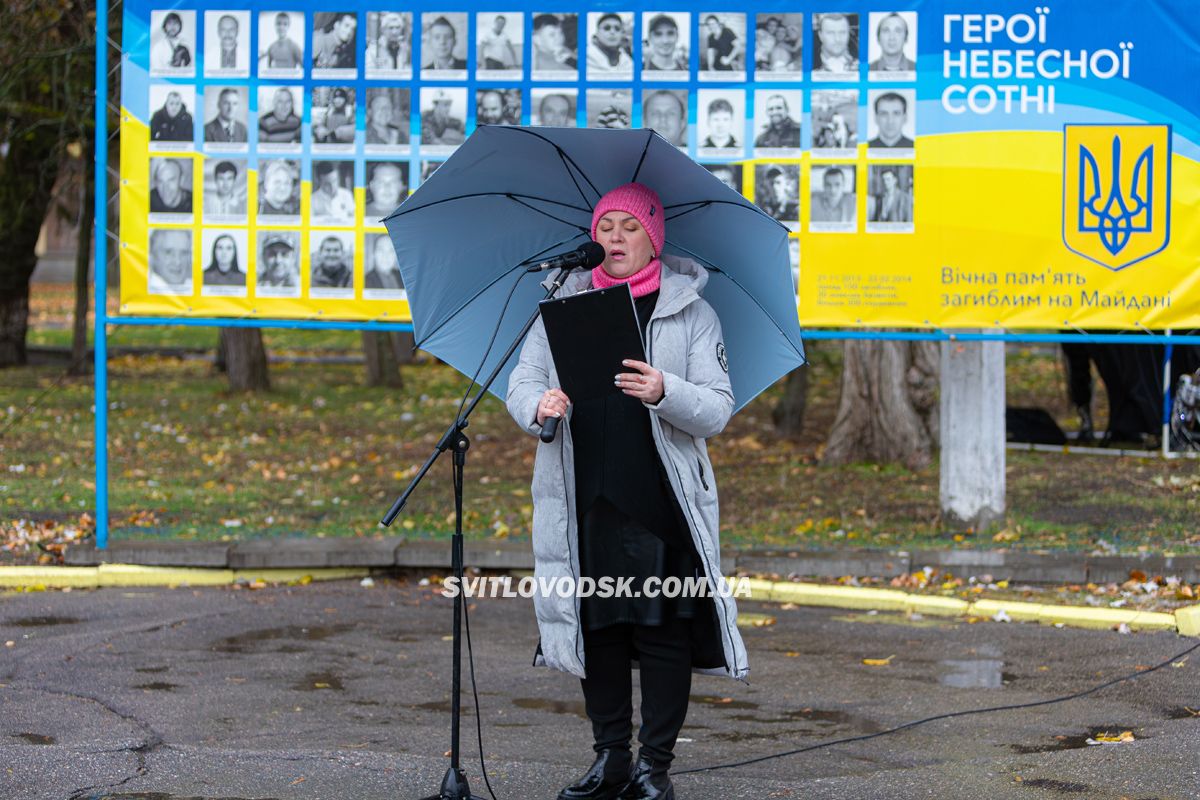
646	384
553	404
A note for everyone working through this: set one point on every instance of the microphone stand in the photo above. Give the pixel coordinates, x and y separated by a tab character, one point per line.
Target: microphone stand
454	783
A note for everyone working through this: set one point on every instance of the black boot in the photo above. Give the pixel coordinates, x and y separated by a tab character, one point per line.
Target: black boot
604	780
650	782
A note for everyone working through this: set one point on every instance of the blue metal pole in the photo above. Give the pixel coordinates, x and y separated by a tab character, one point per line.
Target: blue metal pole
100	269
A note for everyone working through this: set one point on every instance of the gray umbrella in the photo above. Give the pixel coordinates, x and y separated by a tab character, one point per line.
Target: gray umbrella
514	196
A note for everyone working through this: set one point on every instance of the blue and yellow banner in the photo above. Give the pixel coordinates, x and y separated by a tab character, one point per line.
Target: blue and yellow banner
940	164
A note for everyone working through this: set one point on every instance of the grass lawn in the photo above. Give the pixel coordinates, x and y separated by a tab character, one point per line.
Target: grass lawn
323	455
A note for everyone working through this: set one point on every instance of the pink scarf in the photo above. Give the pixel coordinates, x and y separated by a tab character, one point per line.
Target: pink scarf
641	283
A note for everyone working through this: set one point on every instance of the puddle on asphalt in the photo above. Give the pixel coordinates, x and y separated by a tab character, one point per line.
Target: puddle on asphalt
160	796
157	686
34	738
319	681
553	706
1184	712
250	641
42	622
1057	786
722	702
975	673
1075	742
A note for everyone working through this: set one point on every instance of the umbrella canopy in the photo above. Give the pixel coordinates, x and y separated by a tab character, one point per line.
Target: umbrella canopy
514	196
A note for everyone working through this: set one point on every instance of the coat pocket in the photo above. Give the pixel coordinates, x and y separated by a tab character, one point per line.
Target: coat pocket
700	472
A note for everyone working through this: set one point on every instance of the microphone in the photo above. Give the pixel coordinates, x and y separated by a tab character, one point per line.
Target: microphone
549	430
587	255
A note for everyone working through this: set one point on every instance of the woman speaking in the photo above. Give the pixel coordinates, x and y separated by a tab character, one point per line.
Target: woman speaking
627	491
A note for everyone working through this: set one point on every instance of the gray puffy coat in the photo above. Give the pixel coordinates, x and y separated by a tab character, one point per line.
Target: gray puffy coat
684	342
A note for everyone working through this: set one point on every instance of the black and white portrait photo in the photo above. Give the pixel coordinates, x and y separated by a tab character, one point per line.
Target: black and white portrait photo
499	45
777	122
609	108
777	192
279	110
332	201
890	198
835	47
721	122
280	44
722	44
387	186
389	44
833	204
277	271
665	111
171	122
279	191
381	271
335	44
223	263
892	49
665	38
554	47
553	107
428	168
332	118
170	262
171	189
443	119
172	44
331	268
497	106
388	123
609	46
728	174
226	109
891	122
779	46
225	190
444	46
226	44
835	122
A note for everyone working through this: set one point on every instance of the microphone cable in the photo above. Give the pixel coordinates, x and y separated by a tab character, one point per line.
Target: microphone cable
949	715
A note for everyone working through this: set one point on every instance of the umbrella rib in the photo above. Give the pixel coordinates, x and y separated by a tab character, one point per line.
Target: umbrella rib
563	155
551	216
642	160
700	204
509	195
753	299
490	284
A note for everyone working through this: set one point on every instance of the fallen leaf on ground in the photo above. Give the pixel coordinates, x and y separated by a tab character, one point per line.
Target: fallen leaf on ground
878	662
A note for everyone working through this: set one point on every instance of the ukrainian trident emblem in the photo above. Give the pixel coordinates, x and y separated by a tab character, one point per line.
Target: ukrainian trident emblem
1116	192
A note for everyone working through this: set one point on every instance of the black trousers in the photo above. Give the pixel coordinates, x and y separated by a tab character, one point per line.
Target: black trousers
665	664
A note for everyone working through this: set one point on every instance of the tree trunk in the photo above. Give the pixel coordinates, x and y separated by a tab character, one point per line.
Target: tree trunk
788	413
888	409
14	325
245	359
382	350
83	251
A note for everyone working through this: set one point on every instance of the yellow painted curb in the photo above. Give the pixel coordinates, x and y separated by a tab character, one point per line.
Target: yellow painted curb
1185	620
49	577
137	575
1188	620
290	575
937	606
35	577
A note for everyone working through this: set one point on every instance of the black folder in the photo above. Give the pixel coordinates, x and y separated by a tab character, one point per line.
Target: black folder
590	333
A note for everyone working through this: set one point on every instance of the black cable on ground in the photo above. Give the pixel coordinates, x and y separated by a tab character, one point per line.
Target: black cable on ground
950	715
475	694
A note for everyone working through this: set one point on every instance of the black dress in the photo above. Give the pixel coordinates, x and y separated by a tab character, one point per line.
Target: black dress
630	524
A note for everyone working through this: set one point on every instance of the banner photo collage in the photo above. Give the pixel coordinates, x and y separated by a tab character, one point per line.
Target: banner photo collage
917	153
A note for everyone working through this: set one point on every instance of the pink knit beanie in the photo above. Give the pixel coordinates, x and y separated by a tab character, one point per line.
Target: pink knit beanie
642	202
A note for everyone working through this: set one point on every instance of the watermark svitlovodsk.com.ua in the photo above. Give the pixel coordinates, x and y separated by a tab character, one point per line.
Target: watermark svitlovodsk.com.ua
567	586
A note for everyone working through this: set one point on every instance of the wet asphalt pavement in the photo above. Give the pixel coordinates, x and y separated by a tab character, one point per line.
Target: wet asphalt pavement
339	691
